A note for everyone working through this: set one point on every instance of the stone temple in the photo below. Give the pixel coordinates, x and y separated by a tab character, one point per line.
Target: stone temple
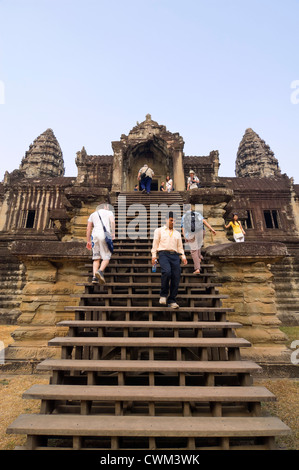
43	218
95	337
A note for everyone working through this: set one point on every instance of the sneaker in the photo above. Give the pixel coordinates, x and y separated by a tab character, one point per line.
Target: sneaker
162	300
94	280
100	277
173	305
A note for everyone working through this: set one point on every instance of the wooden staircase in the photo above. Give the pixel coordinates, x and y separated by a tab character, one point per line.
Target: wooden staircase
137	375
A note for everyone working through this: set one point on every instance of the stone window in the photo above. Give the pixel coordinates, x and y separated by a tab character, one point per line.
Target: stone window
30	219
271	219
249	220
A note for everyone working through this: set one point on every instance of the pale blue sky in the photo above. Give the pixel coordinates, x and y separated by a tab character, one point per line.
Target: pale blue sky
207	69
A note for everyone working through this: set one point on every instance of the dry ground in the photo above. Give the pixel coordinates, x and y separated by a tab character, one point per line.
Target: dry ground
12	405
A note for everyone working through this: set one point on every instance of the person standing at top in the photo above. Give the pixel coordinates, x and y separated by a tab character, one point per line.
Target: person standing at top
193	181
169	184
145	176
96	240
168	246
238	231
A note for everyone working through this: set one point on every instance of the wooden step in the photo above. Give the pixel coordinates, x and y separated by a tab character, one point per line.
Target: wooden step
146	342
149	366
211	400
144	426
195	285
149	324
103	308
148	393
148	296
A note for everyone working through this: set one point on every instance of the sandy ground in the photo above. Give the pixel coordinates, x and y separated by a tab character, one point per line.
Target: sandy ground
286	407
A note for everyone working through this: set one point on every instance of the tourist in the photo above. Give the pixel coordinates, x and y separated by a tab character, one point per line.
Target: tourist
145	176
193	181
162	187
238	231
193	228
168	245
136	188
96	240
169	184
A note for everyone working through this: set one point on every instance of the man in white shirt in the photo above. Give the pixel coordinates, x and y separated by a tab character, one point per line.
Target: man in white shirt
192	181
168	245
145	176
96	240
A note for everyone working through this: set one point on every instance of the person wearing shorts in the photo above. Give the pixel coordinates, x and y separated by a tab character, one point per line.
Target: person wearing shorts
95	235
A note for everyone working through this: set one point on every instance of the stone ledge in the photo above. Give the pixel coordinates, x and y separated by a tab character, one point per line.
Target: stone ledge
50	250
206	195
248	251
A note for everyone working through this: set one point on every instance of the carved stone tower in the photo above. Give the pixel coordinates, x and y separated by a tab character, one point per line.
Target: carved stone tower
255	158
44	157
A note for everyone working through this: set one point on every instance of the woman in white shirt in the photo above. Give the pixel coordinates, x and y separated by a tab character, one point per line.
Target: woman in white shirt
169	184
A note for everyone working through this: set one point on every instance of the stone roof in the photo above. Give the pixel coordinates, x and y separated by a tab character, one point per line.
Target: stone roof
274	184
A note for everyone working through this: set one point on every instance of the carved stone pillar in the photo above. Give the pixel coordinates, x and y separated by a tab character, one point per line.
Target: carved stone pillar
178	168
117	175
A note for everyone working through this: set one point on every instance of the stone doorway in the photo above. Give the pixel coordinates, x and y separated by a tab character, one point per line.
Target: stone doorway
153	153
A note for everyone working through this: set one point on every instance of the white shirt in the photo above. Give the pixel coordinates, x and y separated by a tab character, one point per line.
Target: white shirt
165	239
97	224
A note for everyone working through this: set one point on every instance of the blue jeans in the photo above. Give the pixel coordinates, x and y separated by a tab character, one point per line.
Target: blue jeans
170	274
145	183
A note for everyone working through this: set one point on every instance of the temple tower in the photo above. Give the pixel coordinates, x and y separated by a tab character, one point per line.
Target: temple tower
44	157
255	158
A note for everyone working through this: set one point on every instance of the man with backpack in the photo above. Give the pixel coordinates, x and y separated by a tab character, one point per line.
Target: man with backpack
100	226
192	225
145	176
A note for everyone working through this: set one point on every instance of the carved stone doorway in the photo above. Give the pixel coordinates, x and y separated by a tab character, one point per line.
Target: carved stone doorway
152	152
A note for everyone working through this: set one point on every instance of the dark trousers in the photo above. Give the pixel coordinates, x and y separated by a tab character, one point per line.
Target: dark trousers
145	183
170	274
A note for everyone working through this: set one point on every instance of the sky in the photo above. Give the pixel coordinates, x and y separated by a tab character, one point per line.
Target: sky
208	69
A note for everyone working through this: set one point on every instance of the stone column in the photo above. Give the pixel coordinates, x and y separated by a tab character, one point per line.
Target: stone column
178	168
117	175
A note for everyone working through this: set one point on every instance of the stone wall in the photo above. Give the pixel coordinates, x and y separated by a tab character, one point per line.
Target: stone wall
52	275
244	269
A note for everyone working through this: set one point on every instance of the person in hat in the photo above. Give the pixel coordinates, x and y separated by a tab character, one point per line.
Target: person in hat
168	246
193	181
238	231
145	176
96	240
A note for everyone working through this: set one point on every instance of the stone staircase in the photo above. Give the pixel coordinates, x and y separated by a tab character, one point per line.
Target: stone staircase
133	374
12	280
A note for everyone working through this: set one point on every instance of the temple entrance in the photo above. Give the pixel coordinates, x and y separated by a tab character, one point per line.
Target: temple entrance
154	153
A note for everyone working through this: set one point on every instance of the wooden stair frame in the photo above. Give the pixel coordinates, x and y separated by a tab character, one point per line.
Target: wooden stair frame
134	374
